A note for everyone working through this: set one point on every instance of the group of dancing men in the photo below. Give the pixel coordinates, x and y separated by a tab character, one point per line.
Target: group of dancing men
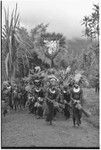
46	100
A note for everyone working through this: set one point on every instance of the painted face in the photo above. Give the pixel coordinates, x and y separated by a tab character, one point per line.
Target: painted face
52	88
37	83
76	86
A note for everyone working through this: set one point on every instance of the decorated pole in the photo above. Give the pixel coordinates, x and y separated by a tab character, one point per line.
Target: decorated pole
51	50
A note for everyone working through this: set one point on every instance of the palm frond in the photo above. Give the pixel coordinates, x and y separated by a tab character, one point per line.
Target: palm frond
11	23
15	13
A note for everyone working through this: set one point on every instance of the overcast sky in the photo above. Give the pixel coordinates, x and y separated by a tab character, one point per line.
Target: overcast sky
63	16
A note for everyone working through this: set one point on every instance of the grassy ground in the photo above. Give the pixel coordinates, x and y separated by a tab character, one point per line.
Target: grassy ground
92	105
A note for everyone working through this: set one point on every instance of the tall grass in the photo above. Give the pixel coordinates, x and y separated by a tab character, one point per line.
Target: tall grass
92	105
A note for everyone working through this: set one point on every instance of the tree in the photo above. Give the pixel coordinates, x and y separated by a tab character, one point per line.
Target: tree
91	23
85	23
8	36
36	37
37	32
15	46
91	58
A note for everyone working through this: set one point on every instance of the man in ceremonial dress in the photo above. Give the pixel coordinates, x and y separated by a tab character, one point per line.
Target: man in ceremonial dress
77	102
51	98
39	97
66	100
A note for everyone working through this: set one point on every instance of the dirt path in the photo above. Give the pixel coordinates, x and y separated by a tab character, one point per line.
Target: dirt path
23	130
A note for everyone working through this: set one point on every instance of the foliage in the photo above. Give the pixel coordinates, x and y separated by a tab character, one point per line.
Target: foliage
37	33
91	58
16	46
91	23
23	51
8	35
92	104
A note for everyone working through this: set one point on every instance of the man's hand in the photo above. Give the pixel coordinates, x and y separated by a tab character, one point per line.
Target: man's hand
78	105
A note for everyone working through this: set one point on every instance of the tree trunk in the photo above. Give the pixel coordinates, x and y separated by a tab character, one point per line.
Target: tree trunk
6	64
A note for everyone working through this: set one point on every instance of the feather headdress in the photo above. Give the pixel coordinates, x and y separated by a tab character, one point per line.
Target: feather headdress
80	78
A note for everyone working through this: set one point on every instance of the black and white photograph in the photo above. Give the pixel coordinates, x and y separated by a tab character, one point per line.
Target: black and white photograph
50	82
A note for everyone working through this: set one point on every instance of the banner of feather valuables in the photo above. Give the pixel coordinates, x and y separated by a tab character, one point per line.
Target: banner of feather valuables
77	77
68	69
80	77
52	78
37	68
52	46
